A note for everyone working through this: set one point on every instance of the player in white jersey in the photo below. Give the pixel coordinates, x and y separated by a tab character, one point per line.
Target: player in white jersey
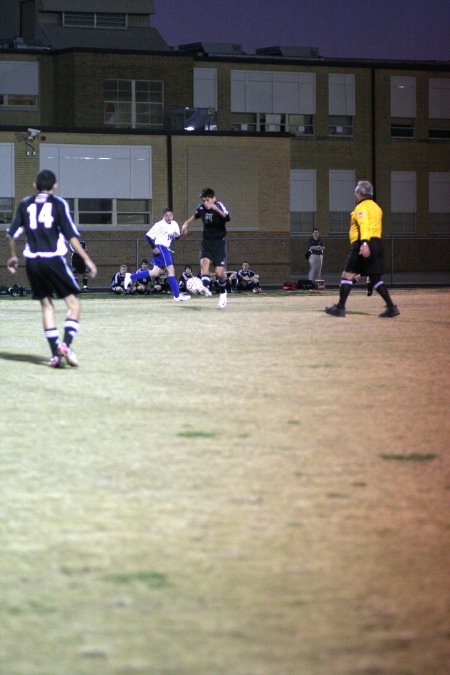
160	238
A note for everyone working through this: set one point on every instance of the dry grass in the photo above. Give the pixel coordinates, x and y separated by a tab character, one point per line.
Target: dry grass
259	491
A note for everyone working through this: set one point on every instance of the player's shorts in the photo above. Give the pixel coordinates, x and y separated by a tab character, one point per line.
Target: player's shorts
374	264
163	259
215	250
50	277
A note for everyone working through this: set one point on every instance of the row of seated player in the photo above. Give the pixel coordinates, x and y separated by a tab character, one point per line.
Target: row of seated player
243	280
122	284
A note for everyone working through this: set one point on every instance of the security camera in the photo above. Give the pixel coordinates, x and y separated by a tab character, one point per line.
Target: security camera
33	133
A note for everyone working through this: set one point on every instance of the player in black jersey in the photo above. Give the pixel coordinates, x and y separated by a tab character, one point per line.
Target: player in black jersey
214	215
45	219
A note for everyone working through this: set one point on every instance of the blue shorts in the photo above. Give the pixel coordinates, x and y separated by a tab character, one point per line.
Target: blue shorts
163	259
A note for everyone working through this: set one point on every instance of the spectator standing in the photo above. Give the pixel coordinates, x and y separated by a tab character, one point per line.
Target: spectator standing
316	249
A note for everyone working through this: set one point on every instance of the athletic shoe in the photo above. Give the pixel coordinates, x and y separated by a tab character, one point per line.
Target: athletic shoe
334	311
182	297
68	354
222	301
390	312
55	362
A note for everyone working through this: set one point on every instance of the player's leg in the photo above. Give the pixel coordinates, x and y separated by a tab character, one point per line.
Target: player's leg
351	270
50	330
205	266
174	287
379	286
71	327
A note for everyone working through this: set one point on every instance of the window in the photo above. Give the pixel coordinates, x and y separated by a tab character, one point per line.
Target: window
107	185
439	202
340	125
273	101
18	84
303	201
402	127
93	20
403	106
205	88
341	104
133	103
403	202
7	182
110	212
439	107
341	200
6	210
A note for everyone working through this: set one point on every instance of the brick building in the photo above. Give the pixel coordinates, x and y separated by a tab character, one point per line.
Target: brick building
131	125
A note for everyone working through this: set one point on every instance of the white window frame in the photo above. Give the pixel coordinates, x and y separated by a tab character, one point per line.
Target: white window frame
205	88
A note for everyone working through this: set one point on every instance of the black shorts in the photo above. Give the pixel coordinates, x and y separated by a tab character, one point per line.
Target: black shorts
374	264
50	277
215	250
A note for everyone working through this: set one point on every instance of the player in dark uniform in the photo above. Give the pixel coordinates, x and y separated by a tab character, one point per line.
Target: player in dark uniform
79	266
366	254
214	215
48	226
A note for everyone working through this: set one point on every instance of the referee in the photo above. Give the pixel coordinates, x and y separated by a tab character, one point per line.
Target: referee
366	255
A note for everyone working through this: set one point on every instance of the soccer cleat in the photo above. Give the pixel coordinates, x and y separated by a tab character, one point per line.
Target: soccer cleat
55	362
182	297
68	354
390	312
222	301
334	311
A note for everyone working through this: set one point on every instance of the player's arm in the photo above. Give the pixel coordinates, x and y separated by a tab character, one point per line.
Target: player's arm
77	247
364	229
186	224
12	262
223	213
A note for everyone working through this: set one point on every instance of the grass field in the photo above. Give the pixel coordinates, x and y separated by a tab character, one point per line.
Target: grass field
262	490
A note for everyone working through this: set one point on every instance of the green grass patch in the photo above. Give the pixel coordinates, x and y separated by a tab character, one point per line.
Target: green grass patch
412	457
150	579
196	434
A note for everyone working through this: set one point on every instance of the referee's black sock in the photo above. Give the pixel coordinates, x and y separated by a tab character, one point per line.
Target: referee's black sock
344	291
70	330
52	336
381	289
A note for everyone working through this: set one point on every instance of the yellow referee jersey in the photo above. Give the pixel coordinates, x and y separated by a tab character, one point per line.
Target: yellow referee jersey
366	221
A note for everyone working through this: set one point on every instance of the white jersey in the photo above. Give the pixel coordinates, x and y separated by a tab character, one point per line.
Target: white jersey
163	233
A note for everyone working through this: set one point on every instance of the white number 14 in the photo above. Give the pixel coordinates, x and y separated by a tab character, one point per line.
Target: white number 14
45	216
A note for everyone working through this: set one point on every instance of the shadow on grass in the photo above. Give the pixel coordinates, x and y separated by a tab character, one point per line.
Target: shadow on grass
24	358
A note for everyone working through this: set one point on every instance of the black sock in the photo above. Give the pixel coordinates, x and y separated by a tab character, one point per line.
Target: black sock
383	291
70	330
344	292
52	336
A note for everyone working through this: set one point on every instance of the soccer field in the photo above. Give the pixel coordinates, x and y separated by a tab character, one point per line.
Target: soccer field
256	491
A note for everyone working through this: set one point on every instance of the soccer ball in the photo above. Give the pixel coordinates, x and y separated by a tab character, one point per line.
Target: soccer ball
195	286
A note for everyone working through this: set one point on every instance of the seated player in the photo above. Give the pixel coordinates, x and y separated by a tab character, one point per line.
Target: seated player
248	280
142	285
121	282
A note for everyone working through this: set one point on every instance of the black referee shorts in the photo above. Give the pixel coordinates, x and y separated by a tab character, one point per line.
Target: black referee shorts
50	277
215	250
374	264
